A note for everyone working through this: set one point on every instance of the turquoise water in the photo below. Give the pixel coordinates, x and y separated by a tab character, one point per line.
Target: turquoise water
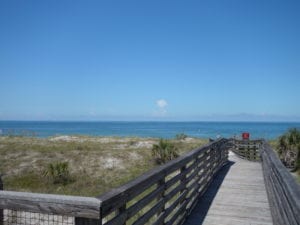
267	130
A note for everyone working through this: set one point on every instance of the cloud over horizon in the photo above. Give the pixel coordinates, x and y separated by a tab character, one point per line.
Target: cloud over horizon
161	105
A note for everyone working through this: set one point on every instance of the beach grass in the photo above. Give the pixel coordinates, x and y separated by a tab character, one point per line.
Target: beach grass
95	164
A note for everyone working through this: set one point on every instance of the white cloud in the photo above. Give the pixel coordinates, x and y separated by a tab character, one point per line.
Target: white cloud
161	103
161	108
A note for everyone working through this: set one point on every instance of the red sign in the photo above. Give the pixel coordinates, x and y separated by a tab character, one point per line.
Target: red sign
245	135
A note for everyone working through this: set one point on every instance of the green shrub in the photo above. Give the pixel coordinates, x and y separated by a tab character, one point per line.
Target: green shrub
181	136
59	173
288	148
164	151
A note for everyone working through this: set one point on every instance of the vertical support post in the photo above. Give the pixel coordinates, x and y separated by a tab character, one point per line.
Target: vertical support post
183	179
87	221
122	209
1	210
160	213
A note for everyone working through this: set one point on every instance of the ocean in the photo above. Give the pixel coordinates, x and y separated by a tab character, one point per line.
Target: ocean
267	130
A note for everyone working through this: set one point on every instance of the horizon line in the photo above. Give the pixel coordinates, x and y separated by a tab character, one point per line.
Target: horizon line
160	121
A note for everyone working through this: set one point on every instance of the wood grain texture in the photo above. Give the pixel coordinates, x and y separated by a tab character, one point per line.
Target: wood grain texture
51	204
282	189
236	196
247	149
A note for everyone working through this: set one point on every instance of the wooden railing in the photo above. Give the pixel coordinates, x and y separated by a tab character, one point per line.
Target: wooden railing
283	191
165	195
30	208
247	149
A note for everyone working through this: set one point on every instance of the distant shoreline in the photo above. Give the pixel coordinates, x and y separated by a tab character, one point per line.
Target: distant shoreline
267	130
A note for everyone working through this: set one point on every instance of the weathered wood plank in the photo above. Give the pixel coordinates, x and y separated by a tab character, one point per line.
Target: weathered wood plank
143	219
233	197
144	201
53	204
179	200
181	210
282	189
85	221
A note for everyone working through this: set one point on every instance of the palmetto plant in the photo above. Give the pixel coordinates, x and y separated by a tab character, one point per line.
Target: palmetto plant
59	173
164	151
289	148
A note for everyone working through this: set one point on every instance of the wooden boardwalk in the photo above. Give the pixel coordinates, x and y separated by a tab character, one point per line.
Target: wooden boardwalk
236	196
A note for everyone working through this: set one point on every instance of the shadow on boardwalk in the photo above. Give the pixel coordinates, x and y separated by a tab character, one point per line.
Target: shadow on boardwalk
201	209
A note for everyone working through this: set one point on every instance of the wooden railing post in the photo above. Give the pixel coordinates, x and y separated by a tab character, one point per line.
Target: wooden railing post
1	210
86	221
161	183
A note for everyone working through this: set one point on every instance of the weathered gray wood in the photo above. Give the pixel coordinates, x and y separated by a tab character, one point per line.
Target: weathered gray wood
282	189
85	221
206	158
144	201
247	149
51	204
181	210
179	200
119	219
175	191
117	197
143	219
237	196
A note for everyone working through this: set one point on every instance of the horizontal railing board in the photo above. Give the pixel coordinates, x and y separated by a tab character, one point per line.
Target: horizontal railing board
174	204
53	204
143	219
181	209
132	210
247	149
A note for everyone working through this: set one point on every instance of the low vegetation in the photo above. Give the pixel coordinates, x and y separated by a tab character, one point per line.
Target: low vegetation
78	165
164	151
288	148
59	173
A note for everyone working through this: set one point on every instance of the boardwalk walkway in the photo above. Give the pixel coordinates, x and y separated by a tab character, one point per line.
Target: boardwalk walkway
236	196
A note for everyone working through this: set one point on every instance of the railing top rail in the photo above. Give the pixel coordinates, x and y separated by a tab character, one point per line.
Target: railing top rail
86	207
247	140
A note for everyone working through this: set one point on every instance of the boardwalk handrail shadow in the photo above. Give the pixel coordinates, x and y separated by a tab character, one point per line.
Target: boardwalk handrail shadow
204	203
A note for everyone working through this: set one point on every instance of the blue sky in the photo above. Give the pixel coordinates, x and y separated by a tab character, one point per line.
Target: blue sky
150	60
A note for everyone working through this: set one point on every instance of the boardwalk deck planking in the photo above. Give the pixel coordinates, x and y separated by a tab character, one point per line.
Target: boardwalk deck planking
236	196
